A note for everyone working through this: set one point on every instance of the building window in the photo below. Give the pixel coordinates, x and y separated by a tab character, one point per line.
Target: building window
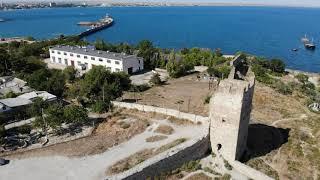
108	61
65	53
85	57
92	58
139	61
52	51
79	62
59	60
78	56
117	62
53	59
66	61
59	52
117	69
71	54
100	60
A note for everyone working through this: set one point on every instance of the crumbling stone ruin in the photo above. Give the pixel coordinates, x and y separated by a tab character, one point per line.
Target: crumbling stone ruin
230	109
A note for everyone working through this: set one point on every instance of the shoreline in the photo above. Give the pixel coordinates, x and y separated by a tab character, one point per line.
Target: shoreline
179	5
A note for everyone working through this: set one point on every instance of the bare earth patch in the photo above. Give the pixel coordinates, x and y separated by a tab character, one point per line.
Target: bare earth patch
106	135
164	129
186	94
199	176
180	122
156	138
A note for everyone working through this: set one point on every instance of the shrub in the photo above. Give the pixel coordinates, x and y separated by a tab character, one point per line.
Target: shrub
125	125
207	100
283	88
277	65
100	106
75	114
227	165
220	71
25	129
302	78
155	80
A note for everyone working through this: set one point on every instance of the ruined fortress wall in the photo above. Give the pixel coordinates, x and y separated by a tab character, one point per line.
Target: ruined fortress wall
245	119
170	160
170	112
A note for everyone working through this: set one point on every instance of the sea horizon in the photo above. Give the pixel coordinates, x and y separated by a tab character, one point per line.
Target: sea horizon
230	28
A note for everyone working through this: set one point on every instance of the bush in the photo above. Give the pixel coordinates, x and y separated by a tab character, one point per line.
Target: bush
207	100
70	73
100	106
75	114
283	88
302	78
220	71
277	65
25	129
11	95
227	165
155	80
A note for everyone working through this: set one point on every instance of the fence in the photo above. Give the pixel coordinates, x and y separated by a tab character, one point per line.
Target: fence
170	112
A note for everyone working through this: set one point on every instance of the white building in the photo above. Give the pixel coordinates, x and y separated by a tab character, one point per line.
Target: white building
84	58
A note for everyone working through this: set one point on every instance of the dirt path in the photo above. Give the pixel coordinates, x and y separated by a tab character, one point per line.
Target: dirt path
302	116
93	166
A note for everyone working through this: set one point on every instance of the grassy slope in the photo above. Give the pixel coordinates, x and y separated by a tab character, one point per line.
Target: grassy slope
299	158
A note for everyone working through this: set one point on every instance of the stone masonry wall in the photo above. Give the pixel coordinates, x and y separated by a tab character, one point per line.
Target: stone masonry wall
170	112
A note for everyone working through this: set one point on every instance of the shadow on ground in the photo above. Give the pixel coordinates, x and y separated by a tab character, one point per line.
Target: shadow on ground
263	139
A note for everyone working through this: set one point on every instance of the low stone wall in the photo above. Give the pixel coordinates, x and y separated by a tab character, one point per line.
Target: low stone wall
171	159
170	112
248	171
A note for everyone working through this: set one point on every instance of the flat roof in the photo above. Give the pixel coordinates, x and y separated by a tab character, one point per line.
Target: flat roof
41	94
91	51
15	102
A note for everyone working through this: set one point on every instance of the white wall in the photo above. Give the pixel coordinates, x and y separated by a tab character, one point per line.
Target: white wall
110	64
133	62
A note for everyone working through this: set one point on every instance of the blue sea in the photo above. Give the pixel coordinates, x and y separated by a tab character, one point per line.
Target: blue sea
264	31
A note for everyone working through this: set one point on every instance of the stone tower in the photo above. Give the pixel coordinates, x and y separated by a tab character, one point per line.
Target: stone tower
230	109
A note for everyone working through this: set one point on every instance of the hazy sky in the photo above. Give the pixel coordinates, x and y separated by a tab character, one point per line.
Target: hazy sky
310	3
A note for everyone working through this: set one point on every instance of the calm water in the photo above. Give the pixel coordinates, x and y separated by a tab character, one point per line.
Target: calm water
264	31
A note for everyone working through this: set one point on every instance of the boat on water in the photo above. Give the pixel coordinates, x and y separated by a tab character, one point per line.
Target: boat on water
103	23
307	43
2	20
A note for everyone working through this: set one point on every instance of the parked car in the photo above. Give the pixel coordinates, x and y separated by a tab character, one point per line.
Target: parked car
3	162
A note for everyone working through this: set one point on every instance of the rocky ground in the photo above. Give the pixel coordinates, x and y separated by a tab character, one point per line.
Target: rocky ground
289	147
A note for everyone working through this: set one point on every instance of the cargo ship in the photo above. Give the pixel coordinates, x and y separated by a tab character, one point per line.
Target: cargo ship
103	23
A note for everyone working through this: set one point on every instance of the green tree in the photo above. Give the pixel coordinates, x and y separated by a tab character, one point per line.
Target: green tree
4	64
70	73
146	51
101	106
277	65
54	116
75	114
37	106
